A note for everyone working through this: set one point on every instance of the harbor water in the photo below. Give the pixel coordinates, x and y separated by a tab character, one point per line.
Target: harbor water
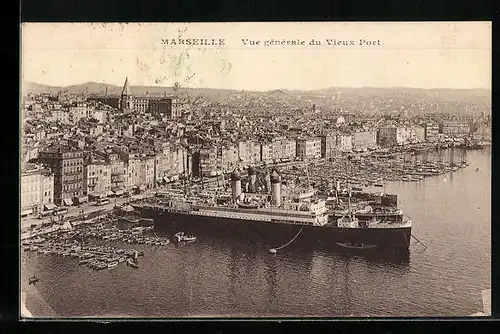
212	277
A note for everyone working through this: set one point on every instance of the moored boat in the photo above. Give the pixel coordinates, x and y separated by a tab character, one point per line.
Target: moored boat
112	264
277	219
181	236
132	264
33	280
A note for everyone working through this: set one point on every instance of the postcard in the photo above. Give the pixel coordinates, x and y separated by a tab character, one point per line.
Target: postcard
255	170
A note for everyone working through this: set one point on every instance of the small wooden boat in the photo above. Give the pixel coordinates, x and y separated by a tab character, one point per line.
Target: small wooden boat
33	280
180	237
101	266
112	265
132	264
355	246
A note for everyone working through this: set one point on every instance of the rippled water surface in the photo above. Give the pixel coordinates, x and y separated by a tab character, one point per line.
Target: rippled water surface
214	277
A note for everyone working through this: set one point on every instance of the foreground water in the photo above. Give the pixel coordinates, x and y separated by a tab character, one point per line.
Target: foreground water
214	277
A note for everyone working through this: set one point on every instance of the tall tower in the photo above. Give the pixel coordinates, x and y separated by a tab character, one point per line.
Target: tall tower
126	97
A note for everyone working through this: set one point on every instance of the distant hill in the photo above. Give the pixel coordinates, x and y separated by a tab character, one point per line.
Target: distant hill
277	92
100	88
35	88
432	92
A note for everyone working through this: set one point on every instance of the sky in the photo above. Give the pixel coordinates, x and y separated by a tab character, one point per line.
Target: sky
417	55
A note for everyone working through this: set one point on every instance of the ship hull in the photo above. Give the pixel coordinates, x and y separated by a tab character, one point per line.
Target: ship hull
278	234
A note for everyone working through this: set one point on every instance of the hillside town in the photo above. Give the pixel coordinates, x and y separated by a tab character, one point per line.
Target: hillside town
79	148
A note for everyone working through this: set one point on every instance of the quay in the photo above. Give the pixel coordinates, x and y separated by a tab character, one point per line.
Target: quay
73	215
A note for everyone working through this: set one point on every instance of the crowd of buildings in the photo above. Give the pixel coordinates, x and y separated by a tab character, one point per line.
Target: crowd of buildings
76	148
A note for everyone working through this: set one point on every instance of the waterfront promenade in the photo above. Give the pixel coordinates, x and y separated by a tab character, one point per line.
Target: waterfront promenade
87	208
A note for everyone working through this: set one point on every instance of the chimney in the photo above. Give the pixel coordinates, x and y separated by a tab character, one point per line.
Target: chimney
275	188
252	175
236	184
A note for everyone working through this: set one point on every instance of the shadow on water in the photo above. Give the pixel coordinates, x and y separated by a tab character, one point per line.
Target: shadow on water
346	297
271	278
386	256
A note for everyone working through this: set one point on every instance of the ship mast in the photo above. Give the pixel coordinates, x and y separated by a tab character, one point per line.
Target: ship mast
336	190
348	189
307	175
201	173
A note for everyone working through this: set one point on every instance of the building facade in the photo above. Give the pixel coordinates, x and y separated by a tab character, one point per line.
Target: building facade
283	148
119	171
249	152
171	162
229	157
60	116
266	152
455	128
417	134
161	107
389	136
328	146
98	177
209	161
431	132
37	190
309	148
67	164
362	140
344	142
78	111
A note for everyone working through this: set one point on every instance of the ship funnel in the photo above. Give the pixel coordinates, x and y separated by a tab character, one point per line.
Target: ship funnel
267	180
236	184
275	188
252	175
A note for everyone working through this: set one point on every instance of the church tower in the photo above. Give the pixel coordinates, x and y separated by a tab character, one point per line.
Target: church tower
126	102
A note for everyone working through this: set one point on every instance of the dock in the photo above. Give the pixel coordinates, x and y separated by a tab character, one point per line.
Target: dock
486	297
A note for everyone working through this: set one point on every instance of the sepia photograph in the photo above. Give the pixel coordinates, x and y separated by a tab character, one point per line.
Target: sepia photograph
255	170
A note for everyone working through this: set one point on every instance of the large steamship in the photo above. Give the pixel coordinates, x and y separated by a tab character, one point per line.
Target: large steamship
274	219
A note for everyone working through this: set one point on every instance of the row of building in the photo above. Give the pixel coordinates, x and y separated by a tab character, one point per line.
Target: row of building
103	146
70	174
